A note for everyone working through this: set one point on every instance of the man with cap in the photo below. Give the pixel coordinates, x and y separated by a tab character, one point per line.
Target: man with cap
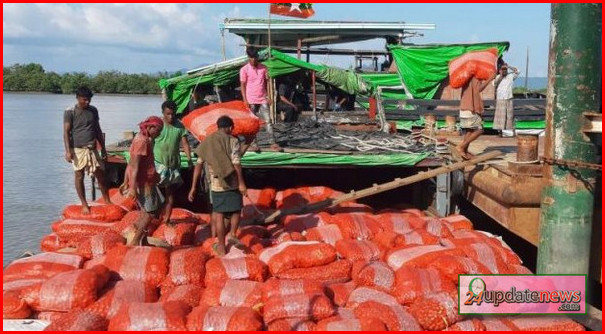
504	116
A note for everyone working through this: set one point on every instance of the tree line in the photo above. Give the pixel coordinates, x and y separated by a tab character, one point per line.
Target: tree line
33	78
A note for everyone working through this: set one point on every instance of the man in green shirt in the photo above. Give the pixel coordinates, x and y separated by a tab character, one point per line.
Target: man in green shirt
166	151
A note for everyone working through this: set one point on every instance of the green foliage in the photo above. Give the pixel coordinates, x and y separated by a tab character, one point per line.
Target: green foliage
33	78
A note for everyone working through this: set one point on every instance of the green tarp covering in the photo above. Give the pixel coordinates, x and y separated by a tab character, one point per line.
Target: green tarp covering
424	67
253	159
521	125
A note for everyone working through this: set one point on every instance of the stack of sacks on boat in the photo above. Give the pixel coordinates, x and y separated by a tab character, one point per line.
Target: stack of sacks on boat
347	268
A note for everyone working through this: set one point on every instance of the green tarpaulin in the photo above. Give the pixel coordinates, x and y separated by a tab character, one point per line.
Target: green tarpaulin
525	125
424	67
253	159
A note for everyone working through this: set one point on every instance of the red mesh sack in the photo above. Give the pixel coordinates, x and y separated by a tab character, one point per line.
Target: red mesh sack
487	256
386	239
49	316
452	266
234	293
358	226
328	234
78	320
350	207
437	228
187	266
282	288
13	307
67	291
471	325
166	316
464	237
313	306
336	272
104	213
99	244
189	294
457	222
178	234
479	64
395	317
412	283
258	199
364	294
224	318
340	292
358	250
219	270
126	225
375	275
39	266
292	324
79	229
126	203
141	263
202	122
294	254
291	198
52	243
416	238
419	256
338	324
300	223
398	222
123	293
435	311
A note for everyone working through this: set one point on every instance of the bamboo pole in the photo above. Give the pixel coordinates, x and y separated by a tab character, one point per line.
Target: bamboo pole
379	188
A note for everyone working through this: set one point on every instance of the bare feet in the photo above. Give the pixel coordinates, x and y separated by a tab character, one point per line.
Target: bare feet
108	201
85	210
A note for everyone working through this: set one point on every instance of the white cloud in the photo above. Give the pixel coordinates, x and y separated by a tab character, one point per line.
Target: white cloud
185	31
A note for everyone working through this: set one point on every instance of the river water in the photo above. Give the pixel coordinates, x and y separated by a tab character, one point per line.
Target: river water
37	182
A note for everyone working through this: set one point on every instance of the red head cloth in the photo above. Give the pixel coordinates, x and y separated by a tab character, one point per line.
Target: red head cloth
151	120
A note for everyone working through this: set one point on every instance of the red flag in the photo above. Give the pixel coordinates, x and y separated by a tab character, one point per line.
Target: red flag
300	10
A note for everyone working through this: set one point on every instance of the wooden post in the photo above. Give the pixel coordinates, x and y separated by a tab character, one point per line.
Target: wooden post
298	48
314	90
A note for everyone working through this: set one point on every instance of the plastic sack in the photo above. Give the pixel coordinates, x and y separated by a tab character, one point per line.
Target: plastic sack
435	311
340	292
358	250
39	266
295	197
79	229
123	293
166	316
329	234
178	234
300	223
282	288
224	318
359	226
395	317
219	270
457	222
48	316
312	306
377	275
487	256
364	294
126	203
52	243
235	293
437	228
78	320
478	64
292	254
336	272
189	294
67	291
99	244
417	237
471	325
140	263
350	207
338	324
262	199
412	283
187	266
13	307
103	213
452	266
291	325
419	256
202	122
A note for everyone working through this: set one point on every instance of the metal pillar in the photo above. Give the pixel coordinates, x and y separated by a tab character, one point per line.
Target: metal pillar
574	83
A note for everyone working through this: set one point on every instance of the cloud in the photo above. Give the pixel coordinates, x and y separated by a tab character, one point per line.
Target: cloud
185	31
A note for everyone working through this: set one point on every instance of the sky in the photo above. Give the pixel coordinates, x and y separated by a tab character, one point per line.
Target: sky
148	38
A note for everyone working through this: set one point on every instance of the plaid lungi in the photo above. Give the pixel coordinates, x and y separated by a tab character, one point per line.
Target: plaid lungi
504	116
